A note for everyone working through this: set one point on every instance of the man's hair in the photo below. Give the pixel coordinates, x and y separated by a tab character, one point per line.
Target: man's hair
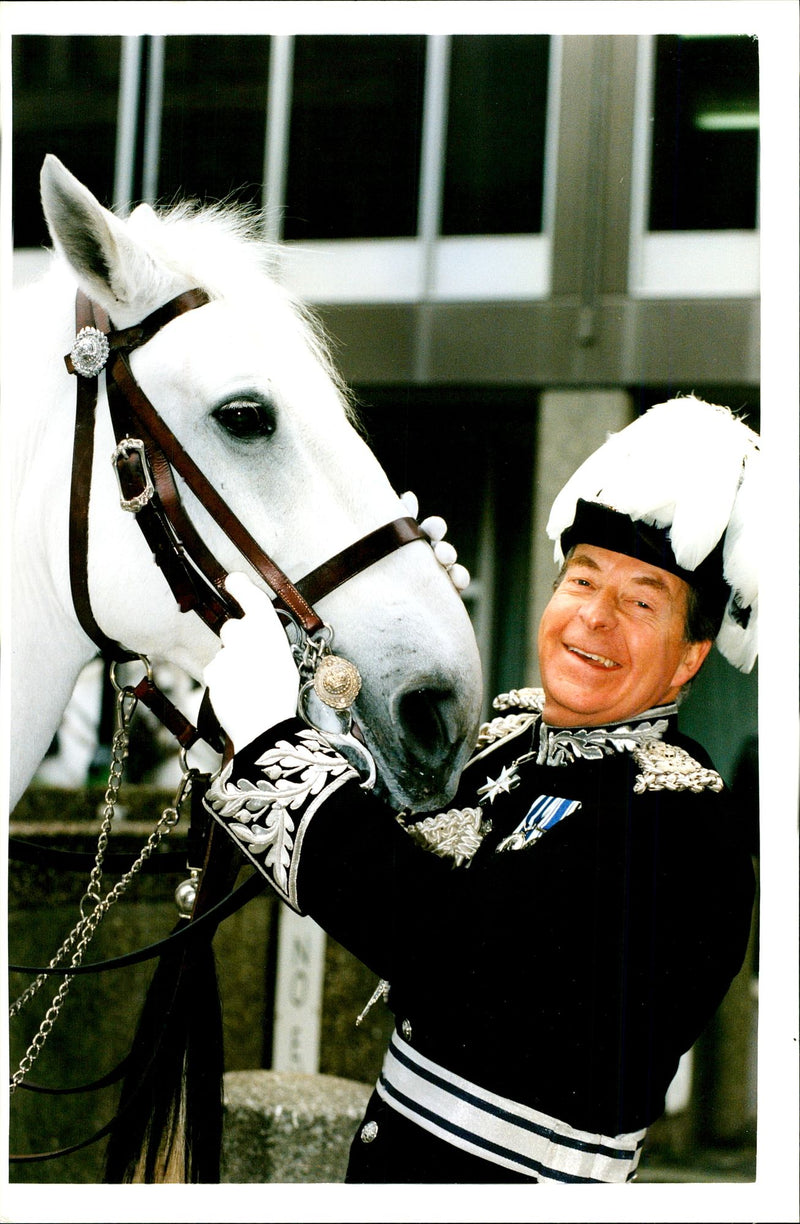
703	615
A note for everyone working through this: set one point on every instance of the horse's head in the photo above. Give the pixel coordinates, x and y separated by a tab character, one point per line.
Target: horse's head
246	386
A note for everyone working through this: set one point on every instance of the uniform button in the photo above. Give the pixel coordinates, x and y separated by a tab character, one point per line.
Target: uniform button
405	1029
368	1132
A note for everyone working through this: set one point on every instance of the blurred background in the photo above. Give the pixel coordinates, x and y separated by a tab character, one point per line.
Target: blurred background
516	243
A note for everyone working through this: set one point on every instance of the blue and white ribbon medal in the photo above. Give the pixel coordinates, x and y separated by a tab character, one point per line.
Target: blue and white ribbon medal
543	814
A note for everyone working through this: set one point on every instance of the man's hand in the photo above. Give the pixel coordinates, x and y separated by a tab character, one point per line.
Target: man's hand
252	681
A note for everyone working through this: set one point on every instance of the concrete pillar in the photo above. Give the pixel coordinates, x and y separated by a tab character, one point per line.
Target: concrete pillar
723	1099
571	425
284	1127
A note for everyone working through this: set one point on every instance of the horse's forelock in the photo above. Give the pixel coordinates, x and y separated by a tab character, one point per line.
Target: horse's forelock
220	244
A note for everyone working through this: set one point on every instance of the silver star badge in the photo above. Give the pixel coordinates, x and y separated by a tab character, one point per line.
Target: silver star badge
501	785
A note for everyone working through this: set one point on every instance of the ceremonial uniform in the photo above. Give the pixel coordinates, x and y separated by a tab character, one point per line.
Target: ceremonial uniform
552	944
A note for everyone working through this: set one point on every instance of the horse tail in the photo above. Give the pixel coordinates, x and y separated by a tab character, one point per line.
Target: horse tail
169	1120
174	1078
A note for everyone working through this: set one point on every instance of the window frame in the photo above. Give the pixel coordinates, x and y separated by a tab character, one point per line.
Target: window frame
684	263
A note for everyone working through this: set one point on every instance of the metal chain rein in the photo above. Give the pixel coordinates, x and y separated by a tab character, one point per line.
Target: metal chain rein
81	934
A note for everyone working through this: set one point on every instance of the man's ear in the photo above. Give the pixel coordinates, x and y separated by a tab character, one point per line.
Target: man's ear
694	656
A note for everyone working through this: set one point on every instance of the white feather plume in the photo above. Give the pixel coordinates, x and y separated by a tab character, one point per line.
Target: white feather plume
744	538
741	553
737	644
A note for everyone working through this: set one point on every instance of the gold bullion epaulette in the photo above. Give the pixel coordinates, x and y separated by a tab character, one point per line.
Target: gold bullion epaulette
455	834
668	767
521	699
527	704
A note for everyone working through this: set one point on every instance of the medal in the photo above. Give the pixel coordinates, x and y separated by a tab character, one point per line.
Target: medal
543	813
337	682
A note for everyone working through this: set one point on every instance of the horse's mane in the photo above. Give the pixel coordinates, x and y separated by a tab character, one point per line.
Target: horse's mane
221	247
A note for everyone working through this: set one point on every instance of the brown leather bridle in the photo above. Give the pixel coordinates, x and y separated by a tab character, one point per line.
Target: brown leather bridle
146	458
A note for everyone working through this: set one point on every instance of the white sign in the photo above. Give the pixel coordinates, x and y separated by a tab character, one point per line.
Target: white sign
298	994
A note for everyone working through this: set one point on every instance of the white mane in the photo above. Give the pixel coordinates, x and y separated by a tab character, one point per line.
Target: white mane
221	248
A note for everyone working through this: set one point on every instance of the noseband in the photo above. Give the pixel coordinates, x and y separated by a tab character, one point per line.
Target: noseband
146	458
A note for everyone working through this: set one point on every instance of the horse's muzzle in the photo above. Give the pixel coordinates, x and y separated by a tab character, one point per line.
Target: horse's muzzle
432	735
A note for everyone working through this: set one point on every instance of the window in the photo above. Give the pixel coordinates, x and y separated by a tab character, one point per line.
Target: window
457	204
704	167
694	209
354	147
214	118
494	166
474	469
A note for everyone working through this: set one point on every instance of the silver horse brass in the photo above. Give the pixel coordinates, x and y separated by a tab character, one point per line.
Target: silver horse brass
89	353
126	448
337	682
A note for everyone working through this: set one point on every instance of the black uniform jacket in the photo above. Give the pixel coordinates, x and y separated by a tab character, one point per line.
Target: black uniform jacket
567	969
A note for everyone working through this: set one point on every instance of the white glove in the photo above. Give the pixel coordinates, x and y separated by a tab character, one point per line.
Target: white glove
435	528
252	680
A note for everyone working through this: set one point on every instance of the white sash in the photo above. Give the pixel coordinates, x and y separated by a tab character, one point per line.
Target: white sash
498	1129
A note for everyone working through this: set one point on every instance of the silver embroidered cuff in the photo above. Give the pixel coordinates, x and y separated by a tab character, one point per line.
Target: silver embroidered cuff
268	817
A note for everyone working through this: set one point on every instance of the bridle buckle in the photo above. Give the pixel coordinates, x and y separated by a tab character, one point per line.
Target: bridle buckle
128	449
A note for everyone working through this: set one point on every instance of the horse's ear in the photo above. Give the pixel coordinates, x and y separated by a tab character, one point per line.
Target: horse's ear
112	267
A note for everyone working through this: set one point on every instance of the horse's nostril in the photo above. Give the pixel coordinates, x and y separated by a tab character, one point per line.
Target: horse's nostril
426	716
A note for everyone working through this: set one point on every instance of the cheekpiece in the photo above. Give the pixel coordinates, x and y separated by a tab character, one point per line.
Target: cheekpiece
123	452
89	353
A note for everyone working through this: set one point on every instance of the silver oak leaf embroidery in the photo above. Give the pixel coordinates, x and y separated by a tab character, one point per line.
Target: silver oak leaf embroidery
258	813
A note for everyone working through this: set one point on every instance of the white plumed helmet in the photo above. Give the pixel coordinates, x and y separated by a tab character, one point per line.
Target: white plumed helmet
679	488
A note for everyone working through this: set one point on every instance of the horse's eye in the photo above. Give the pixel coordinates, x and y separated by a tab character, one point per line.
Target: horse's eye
246	419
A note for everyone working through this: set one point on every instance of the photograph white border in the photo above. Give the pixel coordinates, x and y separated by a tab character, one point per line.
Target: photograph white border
772	1198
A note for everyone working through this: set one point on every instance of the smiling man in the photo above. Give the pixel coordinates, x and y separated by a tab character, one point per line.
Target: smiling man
612	640
553	943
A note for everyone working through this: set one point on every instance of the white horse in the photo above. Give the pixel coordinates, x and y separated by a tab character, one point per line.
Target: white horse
301	480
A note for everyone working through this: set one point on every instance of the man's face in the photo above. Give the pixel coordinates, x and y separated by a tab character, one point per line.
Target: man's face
611	640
